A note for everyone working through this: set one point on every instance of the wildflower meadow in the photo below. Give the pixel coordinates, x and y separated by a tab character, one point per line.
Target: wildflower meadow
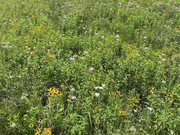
89	67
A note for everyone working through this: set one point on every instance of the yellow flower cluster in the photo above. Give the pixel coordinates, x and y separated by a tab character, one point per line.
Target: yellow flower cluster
38	131
46	131
134	101
152	90
122	112
115	94
53	91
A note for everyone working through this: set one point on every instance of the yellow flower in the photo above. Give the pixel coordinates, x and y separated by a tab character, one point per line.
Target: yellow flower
122	112
53	91
40	121
93	79
94	111
39	98
47	131
134	101
152	90
50	93
38	131
171	101
60	93
31	125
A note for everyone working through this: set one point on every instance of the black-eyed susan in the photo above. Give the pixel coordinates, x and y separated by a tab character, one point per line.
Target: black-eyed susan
38	131
53	91
60	93
47	131
31	125
39	98
40	121
56	92
94	110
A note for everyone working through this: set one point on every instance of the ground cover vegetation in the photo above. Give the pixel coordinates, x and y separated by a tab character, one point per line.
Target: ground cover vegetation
95	67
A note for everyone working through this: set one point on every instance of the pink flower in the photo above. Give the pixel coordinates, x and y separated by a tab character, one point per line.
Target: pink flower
73	97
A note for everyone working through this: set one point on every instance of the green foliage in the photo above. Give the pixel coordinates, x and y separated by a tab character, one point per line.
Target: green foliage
89	67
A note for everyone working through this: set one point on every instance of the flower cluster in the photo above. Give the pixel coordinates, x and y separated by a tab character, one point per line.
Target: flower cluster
45	131
54	91
115	94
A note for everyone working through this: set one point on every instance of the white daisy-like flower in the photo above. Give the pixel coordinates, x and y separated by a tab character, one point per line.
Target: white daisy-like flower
72	89
144	37
117	36
103	85
91	69
132	129
72	58
13	125
150	109
101	88
163	82
85	52
97	94
102	37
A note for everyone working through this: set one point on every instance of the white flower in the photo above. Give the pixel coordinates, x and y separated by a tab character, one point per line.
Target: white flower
145	48
91	69
144	37
97	94
172	132
163	59
13	125
117	36
85	52
72	89
102	36
150	109
24	96
163	82
101	88
103	85
75	56
72	58
10	76
98	87
135	110
132	129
